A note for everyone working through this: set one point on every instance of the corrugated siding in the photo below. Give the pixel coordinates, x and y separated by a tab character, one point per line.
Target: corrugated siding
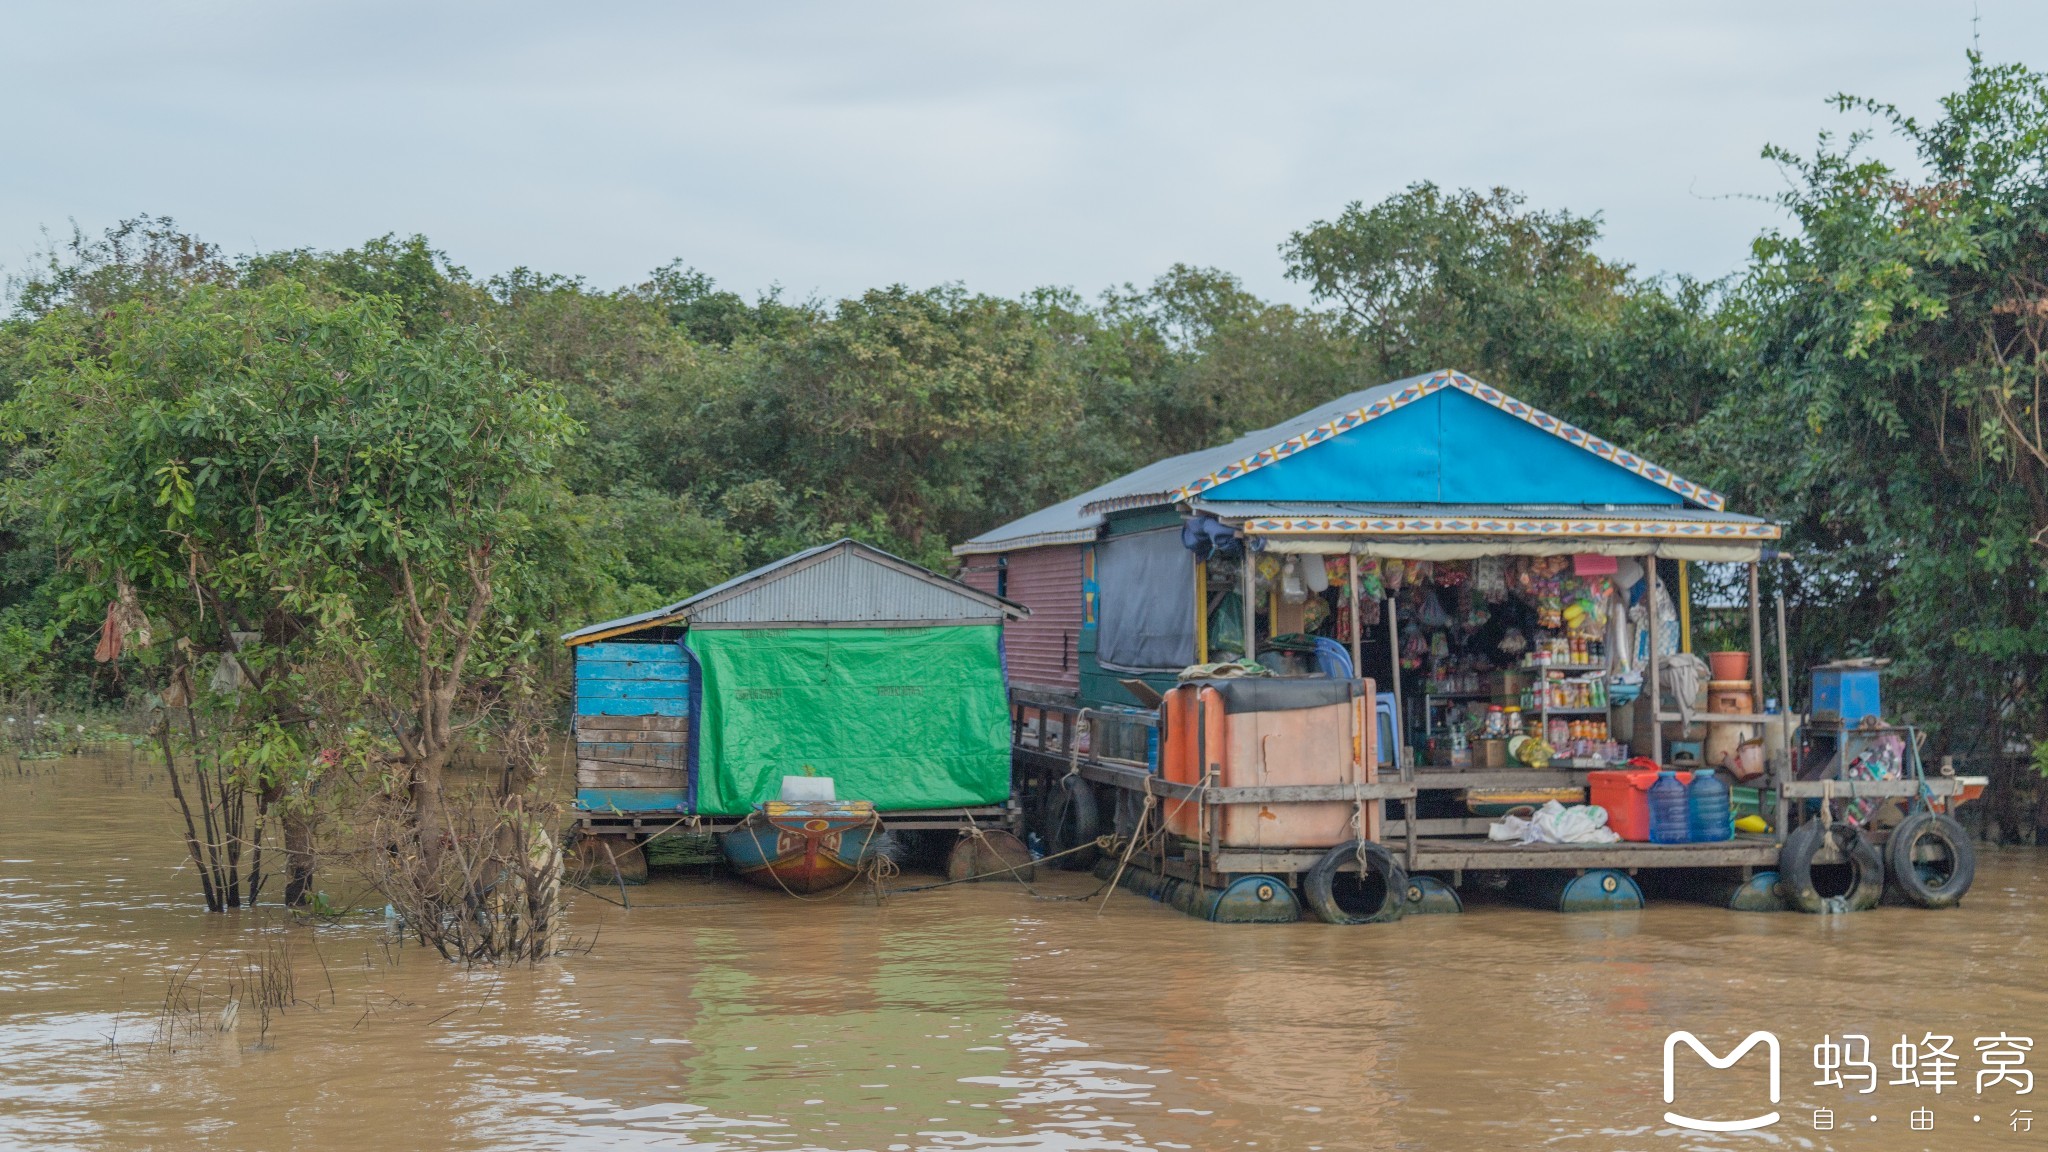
844	588
1041	647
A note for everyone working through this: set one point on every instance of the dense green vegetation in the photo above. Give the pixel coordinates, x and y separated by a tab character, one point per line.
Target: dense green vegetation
1873	377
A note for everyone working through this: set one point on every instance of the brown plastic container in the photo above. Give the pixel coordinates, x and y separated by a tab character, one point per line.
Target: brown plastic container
1258	733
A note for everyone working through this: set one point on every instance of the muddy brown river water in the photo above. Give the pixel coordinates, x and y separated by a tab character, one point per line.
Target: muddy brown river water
712	1016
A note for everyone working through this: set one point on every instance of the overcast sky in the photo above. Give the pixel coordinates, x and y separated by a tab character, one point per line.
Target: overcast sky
830	147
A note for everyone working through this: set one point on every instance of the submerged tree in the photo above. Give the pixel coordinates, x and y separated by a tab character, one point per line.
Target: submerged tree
360	518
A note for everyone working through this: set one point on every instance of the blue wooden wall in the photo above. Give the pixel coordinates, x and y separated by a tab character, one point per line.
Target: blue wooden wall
632	764
627	679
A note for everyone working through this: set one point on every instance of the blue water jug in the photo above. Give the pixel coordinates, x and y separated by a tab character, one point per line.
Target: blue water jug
1670	817
1710	817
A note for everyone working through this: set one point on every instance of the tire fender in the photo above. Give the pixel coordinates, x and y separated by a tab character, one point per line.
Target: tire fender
1318	885
1917	829
1795	869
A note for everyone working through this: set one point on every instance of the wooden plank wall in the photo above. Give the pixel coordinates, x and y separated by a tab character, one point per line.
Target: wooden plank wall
632	726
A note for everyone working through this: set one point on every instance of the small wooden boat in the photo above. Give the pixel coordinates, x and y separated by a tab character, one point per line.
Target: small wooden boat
803	847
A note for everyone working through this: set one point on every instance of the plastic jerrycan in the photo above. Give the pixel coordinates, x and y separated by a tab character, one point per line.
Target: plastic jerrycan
1709	812
1670	811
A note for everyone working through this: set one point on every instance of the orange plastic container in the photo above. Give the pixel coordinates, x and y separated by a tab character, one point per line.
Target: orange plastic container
1626	796
1267	733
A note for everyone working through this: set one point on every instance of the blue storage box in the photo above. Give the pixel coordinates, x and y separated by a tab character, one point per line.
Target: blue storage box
1845	693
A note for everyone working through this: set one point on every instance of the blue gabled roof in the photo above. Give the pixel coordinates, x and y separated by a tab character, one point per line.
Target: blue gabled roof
1445	438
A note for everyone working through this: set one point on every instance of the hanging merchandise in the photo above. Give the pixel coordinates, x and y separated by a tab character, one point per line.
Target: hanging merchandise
1421	571
1395	573
1292	590
1315	573
1432	614
1414	646
1370	585
1452	574
1667	626
1513	643
1315	614
1345	627
1336	570
1490	579
1226	625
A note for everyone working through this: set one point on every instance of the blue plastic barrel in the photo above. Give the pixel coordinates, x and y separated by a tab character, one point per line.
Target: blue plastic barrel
1670	814
1710	816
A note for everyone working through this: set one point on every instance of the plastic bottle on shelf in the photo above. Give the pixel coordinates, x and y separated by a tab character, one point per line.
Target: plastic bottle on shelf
1708	812
1670	811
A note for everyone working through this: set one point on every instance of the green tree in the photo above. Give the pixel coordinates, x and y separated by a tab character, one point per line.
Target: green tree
372	510
1894	413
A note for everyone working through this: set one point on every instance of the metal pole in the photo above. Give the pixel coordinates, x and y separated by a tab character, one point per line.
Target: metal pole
1654	687
1785	770
1201	609
1400	717
1245	594
1757	679
1357	626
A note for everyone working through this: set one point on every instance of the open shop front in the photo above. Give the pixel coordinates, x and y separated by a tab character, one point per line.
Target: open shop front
1525	664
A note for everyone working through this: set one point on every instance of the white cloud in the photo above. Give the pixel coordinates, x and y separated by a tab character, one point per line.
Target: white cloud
830	147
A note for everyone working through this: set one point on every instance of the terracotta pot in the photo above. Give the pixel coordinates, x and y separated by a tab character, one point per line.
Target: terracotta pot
1728	665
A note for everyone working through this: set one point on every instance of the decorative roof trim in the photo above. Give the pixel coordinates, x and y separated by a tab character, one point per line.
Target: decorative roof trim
1561	528
1663	477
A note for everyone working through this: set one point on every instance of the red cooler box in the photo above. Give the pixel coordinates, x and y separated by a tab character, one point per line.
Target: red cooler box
1626	796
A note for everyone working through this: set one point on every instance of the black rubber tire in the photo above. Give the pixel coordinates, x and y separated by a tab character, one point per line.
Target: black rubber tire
1937	892
1073	818
1322	887
1795	870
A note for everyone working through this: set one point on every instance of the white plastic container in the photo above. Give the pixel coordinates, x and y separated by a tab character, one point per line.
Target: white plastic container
807	790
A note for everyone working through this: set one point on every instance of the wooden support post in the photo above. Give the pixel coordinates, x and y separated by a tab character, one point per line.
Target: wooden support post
1653	686
1357	627
1685	607
1247	596
1201	610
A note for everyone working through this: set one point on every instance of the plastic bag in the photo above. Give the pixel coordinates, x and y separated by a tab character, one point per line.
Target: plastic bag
1226	624
1556	824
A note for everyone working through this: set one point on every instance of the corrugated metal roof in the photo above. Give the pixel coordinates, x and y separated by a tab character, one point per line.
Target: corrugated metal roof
844	582
1078	520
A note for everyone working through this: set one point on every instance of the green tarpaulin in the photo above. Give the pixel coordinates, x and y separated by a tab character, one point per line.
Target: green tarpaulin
903	717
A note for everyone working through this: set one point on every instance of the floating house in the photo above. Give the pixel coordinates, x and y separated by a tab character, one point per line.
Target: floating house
841	661
1493	579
